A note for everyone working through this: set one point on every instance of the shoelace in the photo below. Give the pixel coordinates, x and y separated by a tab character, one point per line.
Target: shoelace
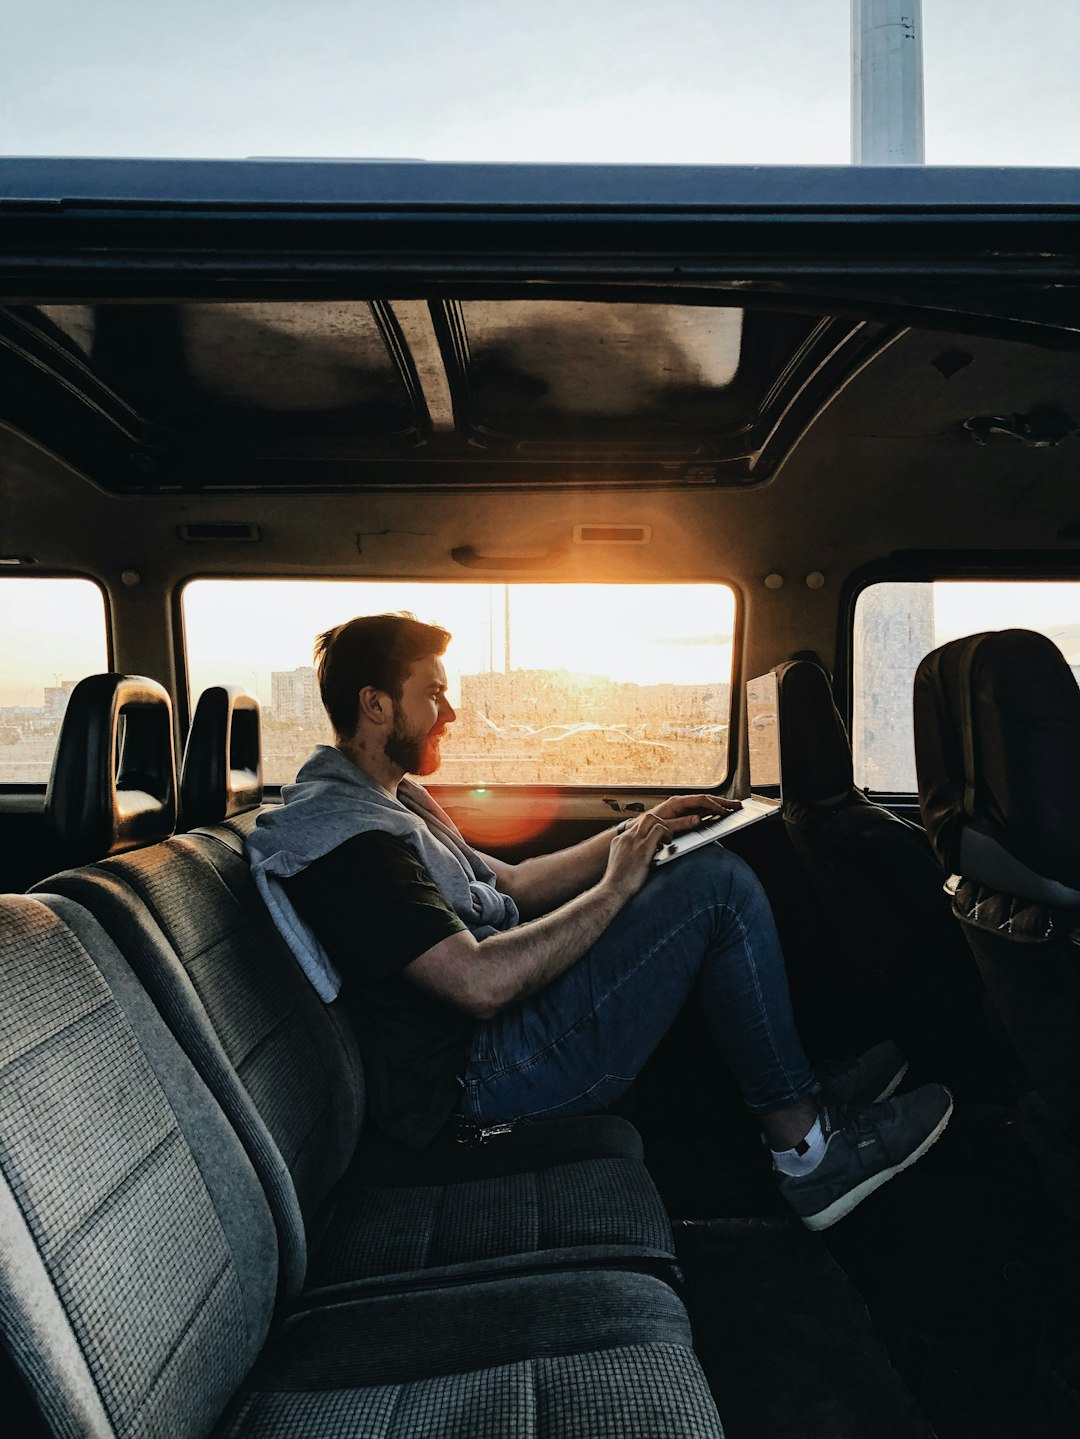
859	1124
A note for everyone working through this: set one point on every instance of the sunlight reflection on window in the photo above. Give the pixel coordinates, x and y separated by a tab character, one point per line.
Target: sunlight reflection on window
554	684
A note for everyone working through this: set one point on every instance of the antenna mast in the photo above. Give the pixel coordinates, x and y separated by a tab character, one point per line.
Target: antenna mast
887	83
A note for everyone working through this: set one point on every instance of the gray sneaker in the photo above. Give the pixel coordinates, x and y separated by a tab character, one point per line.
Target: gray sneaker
866	1080
864	1148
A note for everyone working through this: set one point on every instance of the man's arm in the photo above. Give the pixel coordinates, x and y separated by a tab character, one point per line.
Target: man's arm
537	886
483	977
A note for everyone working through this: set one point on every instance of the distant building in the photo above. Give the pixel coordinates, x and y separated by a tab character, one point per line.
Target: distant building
546	697
294	696
56	698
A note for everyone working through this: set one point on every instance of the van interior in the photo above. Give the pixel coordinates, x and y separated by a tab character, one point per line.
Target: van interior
637	436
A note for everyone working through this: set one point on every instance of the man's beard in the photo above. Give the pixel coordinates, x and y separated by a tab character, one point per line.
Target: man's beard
414	753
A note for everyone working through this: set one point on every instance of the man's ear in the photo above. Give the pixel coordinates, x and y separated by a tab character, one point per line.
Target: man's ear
376	706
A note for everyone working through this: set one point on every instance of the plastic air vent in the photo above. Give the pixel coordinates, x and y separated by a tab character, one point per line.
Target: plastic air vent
233	533
612	534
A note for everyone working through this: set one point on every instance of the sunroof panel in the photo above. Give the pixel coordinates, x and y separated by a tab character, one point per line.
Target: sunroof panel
314	358
186	364
349	394
563	371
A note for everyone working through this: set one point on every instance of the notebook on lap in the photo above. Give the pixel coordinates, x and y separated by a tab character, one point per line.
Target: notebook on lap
763	728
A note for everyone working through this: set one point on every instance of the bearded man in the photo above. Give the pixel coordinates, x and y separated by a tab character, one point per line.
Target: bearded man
500	992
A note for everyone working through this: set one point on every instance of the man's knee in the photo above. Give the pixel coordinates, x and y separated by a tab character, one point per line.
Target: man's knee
712	879
712	869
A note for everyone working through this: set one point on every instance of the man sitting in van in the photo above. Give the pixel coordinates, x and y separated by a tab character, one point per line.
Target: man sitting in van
503	992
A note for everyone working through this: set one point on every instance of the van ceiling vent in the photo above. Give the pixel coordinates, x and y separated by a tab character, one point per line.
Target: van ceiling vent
612	534
236	533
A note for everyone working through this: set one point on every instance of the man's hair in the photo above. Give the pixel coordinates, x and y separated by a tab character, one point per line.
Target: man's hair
376	650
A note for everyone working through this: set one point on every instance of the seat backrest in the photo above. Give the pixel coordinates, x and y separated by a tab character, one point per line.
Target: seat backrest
997	747
113	781
815	754
282	1064
876	878
222	769
138	1260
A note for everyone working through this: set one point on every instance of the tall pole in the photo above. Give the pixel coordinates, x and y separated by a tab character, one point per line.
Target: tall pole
886	83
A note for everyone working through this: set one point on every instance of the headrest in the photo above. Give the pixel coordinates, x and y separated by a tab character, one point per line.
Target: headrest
113	781
815	755
222	773
997	748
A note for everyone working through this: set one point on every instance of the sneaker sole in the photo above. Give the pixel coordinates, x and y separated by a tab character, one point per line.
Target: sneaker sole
835	1211
893	1084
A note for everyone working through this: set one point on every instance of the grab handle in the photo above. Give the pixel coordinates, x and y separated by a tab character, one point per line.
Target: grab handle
467	556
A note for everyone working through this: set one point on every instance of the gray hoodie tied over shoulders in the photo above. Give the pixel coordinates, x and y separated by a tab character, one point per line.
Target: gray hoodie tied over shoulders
333	801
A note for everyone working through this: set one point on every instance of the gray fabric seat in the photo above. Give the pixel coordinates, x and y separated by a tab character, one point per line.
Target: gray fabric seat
564	1355
139	1259
284	1067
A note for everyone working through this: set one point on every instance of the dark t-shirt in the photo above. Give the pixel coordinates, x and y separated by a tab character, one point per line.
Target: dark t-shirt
375	909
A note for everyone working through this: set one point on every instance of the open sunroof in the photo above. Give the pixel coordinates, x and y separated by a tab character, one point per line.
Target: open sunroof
354	394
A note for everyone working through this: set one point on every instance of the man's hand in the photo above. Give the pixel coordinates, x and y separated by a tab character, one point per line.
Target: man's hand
632	853
691	811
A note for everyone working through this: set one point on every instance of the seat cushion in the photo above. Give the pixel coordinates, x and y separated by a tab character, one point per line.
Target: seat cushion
605	1208
597	1355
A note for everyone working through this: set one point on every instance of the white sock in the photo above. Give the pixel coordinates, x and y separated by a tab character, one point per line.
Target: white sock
805	1157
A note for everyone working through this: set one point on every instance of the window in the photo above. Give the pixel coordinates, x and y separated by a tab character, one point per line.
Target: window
897	623
53	636
553	684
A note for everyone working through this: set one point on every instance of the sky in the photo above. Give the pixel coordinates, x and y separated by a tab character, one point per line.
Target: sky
1052	607
619	81
649	634
238	632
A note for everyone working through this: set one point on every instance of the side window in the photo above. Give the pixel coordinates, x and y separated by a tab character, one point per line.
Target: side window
53	635
897	623
553	684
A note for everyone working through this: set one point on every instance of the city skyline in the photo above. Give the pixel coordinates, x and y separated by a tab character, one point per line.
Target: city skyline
539	726
60	636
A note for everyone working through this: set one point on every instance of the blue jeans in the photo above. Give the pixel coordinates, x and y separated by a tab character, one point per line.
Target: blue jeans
700	924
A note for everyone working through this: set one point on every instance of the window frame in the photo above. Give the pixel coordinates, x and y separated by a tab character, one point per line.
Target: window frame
11	791
185	701
927	566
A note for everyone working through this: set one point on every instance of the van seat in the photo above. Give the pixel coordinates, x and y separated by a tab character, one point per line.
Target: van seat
221	775
997	745
285	1068
139	1259
881	887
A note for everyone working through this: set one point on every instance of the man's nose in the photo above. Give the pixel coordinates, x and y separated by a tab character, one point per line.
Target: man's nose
447	712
